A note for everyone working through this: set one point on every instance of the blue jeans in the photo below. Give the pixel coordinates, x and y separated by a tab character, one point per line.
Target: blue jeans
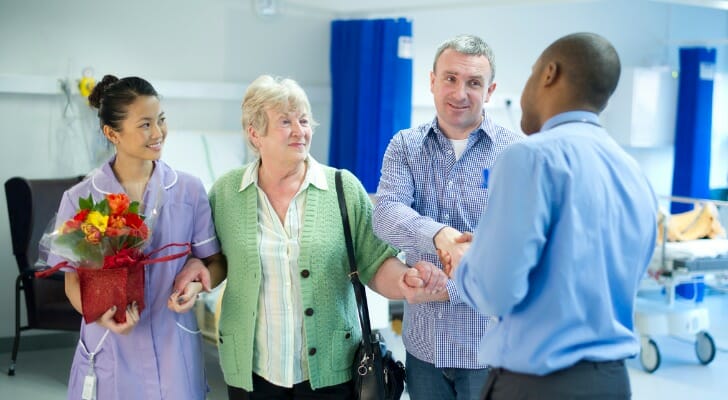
425	381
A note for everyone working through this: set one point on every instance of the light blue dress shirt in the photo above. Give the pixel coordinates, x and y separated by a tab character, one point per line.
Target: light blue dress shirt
560	250
424	188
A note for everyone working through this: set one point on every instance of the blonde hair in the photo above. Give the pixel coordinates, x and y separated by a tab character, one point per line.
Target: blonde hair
279	94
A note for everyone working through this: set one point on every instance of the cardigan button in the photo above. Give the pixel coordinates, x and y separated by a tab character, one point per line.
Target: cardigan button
309	311
348	335
311	351
305	273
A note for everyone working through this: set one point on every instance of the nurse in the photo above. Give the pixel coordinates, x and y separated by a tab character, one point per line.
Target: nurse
155	354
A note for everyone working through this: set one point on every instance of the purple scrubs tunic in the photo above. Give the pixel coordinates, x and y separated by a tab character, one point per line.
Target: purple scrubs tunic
162	357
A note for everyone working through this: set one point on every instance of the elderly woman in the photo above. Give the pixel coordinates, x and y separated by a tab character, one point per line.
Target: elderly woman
289	326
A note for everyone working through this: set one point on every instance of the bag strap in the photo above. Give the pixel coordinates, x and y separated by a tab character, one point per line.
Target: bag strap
359	291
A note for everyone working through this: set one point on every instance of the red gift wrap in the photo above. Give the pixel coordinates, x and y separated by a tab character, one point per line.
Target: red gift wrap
120	282
102	289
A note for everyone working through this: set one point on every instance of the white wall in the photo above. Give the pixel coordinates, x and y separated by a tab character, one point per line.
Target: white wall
163	40
644	33
223	41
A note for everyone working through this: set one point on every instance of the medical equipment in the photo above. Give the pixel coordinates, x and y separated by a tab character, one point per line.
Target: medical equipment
675	266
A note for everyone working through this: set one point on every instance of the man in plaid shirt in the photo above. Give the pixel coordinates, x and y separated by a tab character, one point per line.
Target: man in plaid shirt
433	188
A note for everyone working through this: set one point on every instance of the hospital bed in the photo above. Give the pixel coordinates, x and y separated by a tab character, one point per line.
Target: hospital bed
682	262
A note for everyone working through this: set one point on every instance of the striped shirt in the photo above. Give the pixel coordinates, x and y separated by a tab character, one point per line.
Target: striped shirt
279	335
424	188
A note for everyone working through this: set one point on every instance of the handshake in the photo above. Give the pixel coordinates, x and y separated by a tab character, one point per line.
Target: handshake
451	245
426	282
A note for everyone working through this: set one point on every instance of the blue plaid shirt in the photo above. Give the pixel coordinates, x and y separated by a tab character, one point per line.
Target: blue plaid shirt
423	188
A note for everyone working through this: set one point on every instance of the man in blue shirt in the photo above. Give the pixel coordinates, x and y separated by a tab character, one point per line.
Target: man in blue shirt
567	236
430	191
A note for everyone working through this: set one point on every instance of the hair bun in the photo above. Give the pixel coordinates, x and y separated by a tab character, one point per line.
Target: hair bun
94	99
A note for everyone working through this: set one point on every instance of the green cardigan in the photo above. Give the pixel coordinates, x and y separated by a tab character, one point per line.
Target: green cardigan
333	332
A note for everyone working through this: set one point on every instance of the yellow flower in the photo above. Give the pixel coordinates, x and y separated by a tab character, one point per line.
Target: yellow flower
98	220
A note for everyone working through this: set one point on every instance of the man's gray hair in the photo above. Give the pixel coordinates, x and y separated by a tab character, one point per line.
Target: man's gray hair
471	45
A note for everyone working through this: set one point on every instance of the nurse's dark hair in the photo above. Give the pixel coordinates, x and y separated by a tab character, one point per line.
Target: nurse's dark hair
112	97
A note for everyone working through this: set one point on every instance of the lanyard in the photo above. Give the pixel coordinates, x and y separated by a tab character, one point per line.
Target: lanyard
576	121
89	382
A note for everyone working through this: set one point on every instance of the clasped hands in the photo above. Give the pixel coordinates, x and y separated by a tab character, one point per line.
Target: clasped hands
191	280
423	282
451	245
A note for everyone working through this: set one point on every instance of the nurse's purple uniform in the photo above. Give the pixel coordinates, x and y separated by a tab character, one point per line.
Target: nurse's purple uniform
162	357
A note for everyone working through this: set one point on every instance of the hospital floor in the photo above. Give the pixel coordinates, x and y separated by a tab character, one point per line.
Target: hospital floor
42	374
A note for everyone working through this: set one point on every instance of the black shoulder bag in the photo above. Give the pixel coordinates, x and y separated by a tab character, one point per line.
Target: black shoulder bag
377	375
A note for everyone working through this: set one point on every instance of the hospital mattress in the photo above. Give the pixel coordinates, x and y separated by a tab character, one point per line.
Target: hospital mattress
691	255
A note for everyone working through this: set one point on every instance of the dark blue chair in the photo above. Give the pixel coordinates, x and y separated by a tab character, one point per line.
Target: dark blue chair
32	203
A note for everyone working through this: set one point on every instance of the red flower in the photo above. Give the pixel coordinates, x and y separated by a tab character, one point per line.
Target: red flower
133	221
137	226
117	226
115	232
118	203
142	232
81	215
70	226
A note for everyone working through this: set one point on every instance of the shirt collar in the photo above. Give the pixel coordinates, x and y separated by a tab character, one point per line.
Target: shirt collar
104	180
571	116
314	175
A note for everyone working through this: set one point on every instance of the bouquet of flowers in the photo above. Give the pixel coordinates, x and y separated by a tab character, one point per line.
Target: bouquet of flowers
103	242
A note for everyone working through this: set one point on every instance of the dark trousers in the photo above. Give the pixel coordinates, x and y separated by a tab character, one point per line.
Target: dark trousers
584	380
264	390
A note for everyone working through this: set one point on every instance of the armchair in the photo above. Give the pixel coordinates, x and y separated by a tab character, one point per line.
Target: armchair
31	205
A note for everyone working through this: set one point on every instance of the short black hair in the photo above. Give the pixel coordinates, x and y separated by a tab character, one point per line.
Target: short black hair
590	63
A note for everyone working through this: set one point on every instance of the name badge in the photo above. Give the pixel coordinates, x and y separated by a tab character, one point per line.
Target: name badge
89	388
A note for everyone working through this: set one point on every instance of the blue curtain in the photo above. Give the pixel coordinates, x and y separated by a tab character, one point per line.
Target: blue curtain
371	81
691	175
